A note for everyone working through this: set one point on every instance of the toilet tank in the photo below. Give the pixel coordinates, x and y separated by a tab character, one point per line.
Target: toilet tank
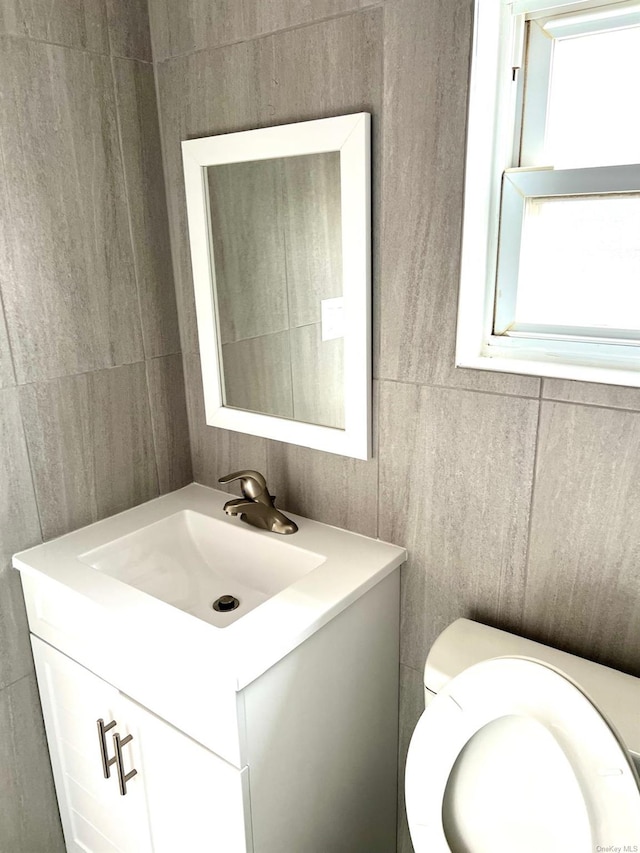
465	643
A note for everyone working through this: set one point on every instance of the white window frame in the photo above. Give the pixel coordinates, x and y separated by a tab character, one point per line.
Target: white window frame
492	183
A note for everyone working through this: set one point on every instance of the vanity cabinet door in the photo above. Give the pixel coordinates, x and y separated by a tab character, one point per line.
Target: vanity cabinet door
182	797
197	802
95	817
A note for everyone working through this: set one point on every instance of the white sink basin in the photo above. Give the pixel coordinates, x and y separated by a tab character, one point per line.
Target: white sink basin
144	581
189	560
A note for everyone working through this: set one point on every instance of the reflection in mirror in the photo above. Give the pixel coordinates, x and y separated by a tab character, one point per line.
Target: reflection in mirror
276	236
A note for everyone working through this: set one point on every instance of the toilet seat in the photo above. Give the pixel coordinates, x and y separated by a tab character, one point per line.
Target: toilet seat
521	688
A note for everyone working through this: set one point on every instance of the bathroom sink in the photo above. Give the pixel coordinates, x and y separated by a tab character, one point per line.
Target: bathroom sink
190	560
130	598
143	583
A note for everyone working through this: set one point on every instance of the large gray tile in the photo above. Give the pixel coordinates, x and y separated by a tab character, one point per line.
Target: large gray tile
317	371
29	817
411	707
425	99
19	528
81	24
124	458
583	585
456	471
326	487
217	452
129	32
170	422
59	420
142	157
69	294
322	70
611	396
91	445
257	375
196	24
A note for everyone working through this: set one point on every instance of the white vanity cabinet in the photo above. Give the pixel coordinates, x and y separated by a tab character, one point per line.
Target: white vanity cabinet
182	796
273	733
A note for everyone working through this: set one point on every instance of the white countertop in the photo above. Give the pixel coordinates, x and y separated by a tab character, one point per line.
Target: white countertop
245	649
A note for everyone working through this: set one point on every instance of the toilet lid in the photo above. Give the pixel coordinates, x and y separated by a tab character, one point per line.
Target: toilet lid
511	756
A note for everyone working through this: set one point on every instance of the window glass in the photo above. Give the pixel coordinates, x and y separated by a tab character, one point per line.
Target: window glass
594	119
580	262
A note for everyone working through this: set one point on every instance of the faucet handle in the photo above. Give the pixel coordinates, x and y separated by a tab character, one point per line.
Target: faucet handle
252	484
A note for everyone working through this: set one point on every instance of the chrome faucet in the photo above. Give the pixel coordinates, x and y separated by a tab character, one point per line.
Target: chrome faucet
257	506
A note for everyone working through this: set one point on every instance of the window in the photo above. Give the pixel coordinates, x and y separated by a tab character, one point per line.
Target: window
551	249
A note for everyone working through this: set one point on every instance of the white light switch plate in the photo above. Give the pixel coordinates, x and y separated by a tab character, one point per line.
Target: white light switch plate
332	318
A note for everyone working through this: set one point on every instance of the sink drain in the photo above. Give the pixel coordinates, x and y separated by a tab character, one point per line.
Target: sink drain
225	603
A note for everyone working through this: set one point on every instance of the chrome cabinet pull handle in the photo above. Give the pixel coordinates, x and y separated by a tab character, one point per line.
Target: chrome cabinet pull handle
123	777
106	761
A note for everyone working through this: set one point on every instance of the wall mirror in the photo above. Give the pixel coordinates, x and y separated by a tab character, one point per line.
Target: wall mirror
279	229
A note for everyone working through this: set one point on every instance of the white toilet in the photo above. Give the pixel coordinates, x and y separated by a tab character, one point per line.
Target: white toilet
522	749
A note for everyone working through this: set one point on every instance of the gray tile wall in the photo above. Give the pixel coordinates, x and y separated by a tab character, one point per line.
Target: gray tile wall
517	499
92	400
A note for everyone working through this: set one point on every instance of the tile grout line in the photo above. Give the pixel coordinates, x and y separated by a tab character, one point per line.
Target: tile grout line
152	419
127	198
515	396
106	18
531	505
17	680
2	308
590	405
30	463
461	388
268	33
170	212
413	668
85	50
377	252
93	371
91	427
3	319
191	430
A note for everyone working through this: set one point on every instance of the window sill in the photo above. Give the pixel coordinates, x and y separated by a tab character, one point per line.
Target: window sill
624	372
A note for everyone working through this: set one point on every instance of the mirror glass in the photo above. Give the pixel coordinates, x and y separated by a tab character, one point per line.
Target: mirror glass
280	239
276	236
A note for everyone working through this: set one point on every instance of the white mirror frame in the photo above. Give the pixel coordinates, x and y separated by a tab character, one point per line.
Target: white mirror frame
350	136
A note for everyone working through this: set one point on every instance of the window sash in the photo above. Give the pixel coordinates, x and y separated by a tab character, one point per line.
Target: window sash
591	21
520	184
535	86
